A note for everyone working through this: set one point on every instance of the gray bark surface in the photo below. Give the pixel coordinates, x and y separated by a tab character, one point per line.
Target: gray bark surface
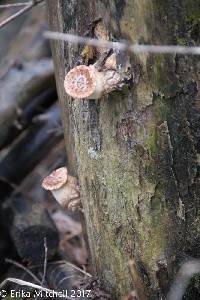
136	151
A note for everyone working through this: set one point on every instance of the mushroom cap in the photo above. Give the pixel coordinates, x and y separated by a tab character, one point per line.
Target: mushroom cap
55	180
80	82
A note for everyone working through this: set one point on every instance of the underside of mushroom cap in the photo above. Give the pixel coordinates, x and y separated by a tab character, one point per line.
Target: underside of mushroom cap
80	82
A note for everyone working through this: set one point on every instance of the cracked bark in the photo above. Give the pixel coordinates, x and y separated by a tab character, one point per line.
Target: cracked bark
136	151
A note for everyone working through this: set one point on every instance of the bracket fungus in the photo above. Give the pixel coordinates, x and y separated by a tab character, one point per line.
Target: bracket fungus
63	187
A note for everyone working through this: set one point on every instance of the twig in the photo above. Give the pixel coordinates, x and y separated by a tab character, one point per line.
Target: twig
17	14
182	279
66	277
14	5
20	12
32	285
45	261
63	262
24	283
11	184
53	273
75	39
15	263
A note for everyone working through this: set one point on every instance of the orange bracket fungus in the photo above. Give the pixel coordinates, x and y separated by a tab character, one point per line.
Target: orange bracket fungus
63	187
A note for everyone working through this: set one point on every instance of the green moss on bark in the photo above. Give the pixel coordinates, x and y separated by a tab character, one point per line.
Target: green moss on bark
134	148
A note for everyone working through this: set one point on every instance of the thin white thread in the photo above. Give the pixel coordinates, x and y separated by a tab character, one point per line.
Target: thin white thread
167	49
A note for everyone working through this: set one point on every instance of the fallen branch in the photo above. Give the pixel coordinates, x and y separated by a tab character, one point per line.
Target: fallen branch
31	147
24	283
18	88
29	224
20	266
11	5
20	12
34	107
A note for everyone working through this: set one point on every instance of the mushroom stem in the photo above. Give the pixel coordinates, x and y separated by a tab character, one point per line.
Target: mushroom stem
67	192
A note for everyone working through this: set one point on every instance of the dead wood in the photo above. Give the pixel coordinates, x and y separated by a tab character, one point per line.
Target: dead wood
136	151
31	185
28	224
28	150
65	277
18	87
24	38
35	106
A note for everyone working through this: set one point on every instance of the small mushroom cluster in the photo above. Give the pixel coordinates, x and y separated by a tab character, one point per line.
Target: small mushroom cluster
64	188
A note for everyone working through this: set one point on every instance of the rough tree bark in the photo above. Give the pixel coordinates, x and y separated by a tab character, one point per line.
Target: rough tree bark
136	151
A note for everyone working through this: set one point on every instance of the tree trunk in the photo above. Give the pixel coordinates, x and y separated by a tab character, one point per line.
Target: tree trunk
136	151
